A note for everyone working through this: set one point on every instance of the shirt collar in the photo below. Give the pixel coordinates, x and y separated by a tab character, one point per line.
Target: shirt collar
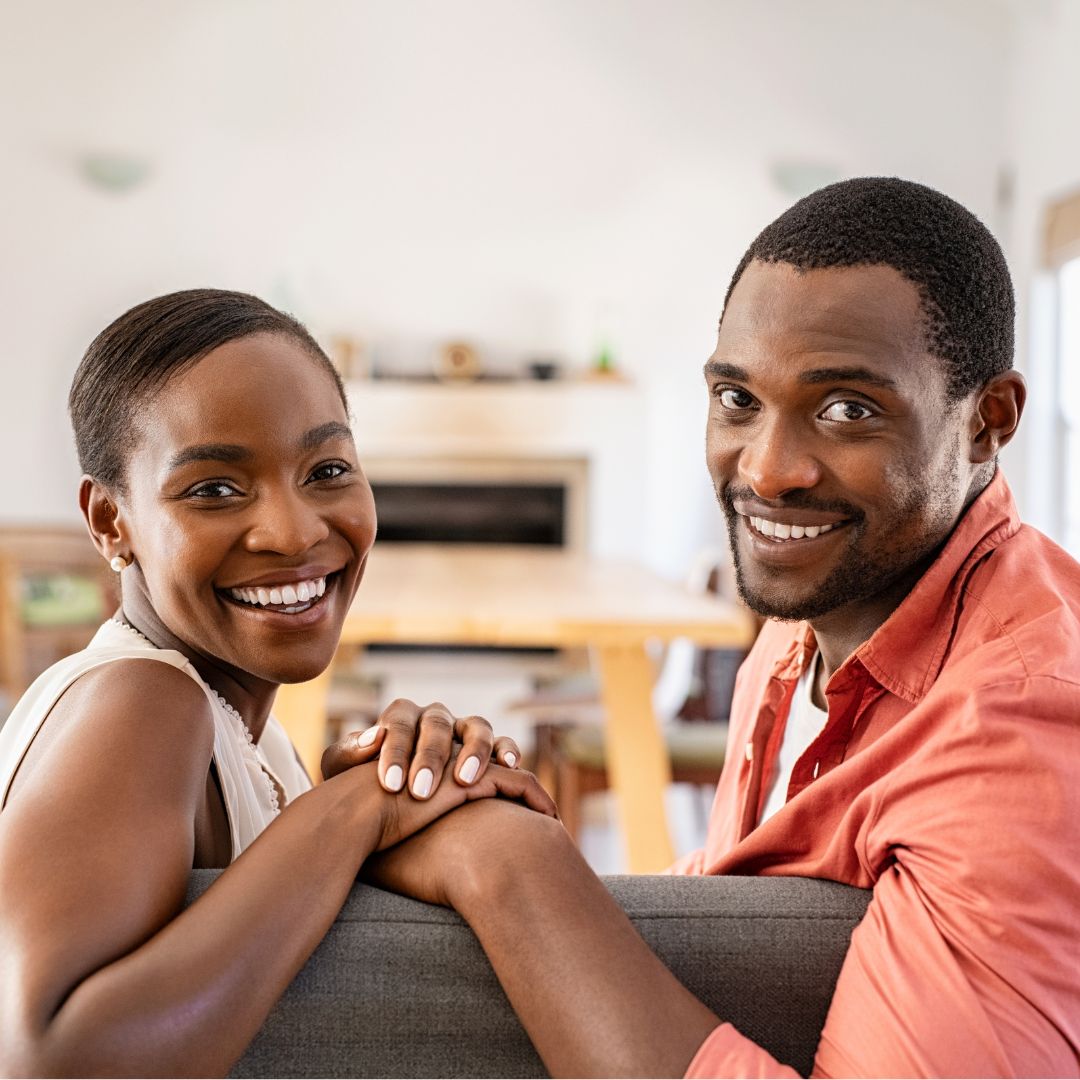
905	653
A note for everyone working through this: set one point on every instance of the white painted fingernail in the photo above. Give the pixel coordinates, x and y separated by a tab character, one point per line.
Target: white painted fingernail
510	758
421	786
394	777
469	770
368	737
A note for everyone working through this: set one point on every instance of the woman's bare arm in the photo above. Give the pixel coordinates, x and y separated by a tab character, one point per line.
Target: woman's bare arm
103	973
593	997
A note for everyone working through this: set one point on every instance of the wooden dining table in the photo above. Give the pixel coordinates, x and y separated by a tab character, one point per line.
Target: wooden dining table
536	598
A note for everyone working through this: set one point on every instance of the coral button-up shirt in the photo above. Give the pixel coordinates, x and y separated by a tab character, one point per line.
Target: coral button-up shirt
947	779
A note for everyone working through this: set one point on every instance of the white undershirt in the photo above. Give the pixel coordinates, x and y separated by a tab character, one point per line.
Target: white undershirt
804	724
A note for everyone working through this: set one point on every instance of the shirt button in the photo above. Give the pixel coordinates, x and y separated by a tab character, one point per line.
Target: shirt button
817	769
749	751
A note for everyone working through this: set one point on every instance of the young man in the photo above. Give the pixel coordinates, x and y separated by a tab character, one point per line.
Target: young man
909	719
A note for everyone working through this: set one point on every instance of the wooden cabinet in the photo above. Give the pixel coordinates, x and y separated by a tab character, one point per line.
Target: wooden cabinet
55	590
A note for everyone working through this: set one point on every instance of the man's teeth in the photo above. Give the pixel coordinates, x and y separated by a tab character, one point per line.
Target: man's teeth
299	593
779	531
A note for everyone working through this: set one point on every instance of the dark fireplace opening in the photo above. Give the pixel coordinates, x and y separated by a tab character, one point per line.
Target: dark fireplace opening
473	513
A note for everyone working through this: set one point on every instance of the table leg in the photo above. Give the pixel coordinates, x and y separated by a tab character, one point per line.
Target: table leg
637	761
301	710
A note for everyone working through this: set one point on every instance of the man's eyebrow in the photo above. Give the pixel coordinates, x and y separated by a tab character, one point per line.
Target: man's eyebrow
722	370
333	429
208	452
848	375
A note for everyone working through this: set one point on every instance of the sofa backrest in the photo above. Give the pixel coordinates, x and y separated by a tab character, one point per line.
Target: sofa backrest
401	989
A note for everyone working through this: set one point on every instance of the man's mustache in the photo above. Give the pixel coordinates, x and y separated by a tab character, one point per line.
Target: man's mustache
795	500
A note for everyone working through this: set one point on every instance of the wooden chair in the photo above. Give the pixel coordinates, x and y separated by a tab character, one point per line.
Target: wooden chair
570	761
691	700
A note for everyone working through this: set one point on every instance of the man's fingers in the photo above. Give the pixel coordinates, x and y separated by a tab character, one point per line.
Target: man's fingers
400	719
356	748
477	742
434	745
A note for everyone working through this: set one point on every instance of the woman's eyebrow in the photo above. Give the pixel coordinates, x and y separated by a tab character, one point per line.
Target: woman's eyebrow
333	429
231	452
208	452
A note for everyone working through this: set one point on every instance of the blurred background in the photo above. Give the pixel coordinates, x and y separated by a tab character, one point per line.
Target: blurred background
511	223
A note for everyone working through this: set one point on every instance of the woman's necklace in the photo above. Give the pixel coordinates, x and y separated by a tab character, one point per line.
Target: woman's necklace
251	749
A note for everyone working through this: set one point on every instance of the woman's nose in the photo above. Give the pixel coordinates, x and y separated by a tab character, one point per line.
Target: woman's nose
286	522
776	460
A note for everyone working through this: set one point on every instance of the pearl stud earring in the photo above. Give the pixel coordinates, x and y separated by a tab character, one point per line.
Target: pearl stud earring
119	563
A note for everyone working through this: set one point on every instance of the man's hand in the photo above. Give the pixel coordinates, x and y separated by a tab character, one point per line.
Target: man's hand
438	863
415	743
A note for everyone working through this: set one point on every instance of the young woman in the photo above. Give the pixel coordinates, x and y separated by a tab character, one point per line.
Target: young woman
222	484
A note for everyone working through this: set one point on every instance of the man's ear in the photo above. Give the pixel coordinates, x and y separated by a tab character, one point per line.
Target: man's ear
997	413
103	518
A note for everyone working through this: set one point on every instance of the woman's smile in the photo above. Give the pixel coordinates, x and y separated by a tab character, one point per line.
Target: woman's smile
289	601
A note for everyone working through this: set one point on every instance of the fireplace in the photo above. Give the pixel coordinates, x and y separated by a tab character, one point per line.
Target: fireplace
447	500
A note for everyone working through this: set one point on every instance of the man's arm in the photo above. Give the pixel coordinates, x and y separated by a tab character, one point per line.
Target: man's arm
594	999
964	965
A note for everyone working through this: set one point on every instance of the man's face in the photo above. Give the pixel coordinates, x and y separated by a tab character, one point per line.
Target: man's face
838	459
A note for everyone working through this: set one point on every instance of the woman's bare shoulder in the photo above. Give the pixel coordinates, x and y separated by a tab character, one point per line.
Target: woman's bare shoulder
145	710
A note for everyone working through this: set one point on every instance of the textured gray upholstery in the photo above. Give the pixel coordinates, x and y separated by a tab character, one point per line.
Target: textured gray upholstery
400	988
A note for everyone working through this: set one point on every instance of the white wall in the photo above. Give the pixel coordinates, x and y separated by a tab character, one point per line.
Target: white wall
526	174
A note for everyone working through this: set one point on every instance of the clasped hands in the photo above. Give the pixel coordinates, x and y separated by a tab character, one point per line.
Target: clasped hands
427	762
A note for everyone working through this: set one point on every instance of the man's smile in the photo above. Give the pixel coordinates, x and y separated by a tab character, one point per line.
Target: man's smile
782	532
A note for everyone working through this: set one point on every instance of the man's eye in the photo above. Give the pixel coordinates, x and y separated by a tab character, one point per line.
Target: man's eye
733	398
846	411
330	471
213	489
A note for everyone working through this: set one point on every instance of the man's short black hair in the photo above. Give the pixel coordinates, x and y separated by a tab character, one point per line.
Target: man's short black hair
940	247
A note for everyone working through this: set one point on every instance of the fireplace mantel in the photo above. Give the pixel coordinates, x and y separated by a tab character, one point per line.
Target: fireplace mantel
602	424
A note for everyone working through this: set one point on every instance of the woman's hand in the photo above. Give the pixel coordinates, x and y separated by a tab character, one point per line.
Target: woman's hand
400	816
415	744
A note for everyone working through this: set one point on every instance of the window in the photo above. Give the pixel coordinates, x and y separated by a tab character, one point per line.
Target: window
1068	397
1054	423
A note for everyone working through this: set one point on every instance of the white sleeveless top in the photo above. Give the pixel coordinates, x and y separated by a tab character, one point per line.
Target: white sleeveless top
244	767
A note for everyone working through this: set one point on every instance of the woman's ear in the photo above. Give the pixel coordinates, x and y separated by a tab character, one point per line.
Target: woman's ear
103	518
998	408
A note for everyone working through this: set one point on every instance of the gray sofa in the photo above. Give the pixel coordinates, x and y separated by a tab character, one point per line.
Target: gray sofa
400	988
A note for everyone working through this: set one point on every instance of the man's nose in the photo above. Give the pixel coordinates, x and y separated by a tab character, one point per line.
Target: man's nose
776	460
286	522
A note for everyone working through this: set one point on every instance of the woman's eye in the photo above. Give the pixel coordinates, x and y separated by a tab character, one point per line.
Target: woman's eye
732	397
213	489
330	471
846	411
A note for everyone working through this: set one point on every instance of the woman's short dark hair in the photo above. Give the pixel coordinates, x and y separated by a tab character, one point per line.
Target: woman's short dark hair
138	353
938	245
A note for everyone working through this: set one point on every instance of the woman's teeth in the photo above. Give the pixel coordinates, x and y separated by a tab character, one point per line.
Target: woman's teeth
777	530
296	597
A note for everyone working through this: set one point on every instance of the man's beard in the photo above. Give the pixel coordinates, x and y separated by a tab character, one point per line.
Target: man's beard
858	574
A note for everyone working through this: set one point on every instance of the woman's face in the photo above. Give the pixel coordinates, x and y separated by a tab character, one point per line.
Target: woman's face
247	513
